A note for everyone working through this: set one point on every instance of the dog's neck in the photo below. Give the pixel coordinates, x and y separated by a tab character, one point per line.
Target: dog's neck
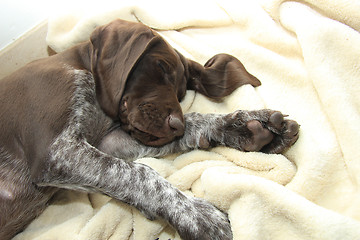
85	53
79	56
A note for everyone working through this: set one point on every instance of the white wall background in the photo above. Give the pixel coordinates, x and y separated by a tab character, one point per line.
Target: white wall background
19	16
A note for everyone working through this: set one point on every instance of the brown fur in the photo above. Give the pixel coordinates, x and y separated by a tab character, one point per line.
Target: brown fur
139	81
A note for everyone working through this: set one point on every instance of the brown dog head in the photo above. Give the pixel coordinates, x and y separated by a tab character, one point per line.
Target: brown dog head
140	80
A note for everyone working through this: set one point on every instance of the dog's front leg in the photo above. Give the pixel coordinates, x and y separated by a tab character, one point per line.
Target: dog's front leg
75	164
197	135
260	130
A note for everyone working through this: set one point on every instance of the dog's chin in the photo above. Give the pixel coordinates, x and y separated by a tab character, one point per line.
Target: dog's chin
157	143
150	139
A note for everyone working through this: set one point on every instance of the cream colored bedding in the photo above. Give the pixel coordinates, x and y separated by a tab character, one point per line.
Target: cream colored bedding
307	56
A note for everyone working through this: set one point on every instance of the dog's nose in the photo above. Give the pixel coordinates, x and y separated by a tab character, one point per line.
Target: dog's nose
176	124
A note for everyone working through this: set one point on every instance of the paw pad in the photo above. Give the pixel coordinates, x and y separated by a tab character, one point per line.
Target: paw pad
261	136
293	128
276	120
204	143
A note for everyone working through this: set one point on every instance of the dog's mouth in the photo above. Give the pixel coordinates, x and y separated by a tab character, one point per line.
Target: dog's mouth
148	134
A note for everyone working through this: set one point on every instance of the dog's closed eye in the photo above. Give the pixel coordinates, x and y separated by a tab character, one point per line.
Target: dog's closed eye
165	68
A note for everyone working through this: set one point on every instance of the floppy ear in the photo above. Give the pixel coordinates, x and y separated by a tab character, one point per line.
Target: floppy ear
116	48
219	77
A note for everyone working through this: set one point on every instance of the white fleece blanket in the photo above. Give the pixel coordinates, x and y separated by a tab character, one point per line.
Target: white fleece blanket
307	56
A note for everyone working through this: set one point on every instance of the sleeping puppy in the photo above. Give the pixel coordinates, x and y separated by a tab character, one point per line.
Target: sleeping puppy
75	120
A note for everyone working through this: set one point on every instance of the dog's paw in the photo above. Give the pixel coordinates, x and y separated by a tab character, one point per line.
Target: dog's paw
263	130
203	221
285	131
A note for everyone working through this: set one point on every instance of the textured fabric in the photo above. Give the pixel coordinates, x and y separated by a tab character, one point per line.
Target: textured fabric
307	56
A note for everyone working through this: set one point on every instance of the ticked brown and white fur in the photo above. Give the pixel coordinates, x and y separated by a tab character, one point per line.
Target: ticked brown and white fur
75	120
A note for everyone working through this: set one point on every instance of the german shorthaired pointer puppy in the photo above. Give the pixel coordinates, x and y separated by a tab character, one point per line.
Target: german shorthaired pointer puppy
75	120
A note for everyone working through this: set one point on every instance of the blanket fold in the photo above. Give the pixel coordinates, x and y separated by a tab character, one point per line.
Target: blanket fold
307	56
